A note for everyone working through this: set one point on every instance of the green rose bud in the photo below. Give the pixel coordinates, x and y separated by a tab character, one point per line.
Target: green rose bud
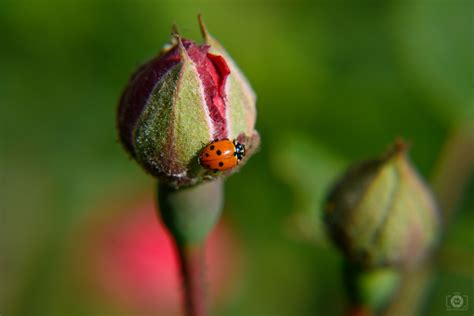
181	100
381	213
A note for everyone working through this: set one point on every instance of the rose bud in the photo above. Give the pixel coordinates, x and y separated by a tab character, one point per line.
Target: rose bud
381	213
180	101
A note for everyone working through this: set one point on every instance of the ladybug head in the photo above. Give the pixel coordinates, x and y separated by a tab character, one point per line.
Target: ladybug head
239	150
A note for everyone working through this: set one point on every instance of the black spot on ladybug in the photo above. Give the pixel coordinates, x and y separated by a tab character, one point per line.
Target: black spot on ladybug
212	147
218	152
207	155
221	164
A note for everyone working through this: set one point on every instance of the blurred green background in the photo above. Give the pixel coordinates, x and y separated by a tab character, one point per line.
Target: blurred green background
337	81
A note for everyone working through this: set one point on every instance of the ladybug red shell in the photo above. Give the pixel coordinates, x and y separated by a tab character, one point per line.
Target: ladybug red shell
221	155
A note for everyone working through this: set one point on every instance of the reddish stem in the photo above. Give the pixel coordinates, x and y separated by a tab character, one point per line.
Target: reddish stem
359	311
192	261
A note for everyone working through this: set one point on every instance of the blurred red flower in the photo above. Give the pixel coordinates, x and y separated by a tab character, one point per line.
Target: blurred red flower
129	262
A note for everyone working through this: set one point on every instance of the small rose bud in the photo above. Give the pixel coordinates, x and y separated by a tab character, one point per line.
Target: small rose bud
381	213
181	100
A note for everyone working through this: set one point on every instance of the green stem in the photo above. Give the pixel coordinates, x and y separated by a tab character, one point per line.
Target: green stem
190	215
454	168
369	289
412	292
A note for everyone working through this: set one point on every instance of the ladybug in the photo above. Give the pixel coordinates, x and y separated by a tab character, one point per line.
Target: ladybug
221	155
